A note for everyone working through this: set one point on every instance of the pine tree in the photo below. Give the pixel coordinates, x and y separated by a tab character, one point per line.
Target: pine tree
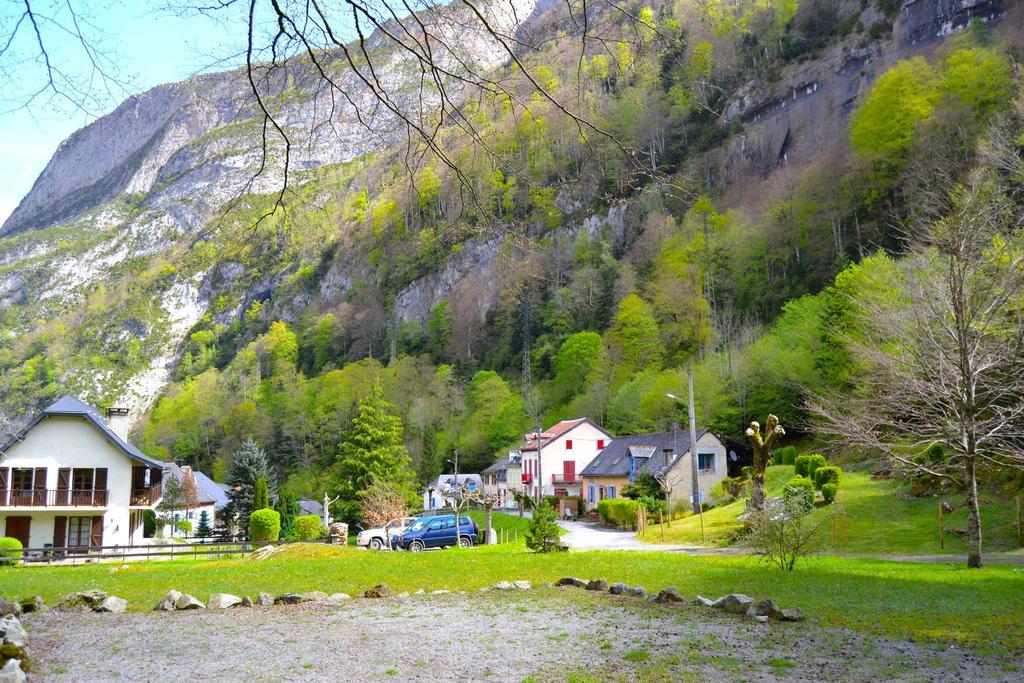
542	534
260	496
203	530
373	450
288	508
250	463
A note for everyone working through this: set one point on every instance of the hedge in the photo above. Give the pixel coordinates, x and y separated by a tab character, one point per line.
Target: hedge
308	527
799	488
265	525
619	511
829	474
829	492
11	544
784	456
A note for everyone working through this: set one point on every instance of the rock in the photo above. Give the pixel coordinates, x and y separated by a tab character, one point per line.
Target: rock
636	592
288	599
11	631
33	604
112	605
187	601
314	596
246	602
12	673
381	590
522	585
338	597
597	585
485	589
701	601
438	592
668	595
618	589
503	586
736	603
570	581
764	608
223	601
82	599
761	618
169	603
420	592
8	607
546	584
404	595
792	614
264	599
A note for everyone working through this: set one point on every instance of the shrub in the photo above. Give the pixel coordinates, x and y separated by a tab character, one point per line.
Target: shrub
184	526
800	464
265	525
814	461
148	523
785	455
552	501
620	512
829	492
799	491
308	527
653	506
261	495
782	539
542	534
13	548
829	474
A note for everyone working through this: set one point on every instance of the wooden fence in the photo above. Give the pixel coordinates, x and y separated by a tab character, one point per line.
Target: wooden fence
168	551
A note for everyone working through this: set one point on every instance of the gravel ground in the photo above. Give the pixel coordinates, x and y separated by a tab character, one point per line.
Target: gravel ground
547	634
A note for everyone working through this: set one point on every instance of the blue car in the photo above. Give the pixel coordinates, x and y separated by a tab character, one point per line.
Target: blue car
438	532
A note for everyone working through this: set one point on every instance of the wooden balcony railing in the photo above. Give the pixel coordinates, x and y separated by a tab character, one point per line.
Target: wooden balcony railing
147	496
41	498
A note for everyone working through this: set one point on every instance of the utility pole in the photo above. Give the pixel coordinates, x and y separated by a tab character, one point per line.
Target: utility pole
693	447
529	400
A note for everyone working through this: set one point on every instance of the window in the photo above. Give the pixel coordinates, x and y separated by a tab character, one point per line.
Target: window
600	444
78	531
81	479
568	444
706	462
21	479
449	524
471	486
436	525
611	491
590	494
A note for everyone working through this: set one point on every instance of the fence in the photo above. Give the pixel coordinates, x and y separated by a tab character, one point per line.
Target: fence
169	551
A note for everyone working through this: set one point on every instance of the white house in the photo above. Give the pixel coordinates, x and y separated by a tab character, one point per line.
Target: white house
565	449
71	480
437	495
503	478
205	500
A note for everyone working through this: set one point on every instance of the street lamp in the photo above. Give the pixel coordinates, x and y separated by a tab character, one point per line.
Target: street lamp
695	488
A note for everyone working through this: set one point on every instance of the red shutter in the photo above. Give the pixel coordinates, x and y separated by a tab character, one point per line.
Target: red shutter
568	444
63	485
60	532
569	470
100	487
96	532
40	487
5	476
600	444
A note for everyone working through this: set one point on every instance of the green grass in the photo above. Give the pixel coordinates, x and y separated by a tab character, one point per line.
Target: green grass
919	601
503	523
878	519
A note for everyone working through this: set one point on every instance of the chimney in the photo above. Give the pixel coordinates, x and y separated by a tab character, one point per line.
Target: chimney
117	420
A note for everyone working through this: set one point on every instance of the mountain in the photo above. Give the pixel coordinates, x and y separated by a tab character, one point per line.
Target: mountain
141	246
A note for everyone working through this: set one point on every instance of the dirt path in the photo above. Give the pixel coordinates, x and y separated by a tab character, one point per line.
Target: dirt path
547	634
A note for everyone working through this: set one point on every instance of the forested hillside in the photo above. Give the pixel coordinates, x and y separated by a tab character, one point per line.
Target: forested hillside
762	162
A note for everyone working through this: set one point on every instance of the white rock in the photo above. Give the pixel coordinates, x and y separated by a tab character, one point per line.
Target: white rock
440	592
12	673
522	585
112	604
223	601
11	631
503	586
168	604
338	597
187	601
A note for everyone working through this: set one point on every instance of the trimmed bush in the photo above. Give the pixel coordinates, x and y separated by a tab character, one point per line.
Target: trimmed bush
799	490
620	512
14	547
815	460
829	474
265	525
829	492
784	456
552	501
800	464
308	527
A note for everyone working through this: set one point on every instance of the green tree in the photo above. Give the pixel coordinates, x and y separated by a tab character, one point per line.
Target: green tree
250	463
576	359
203	529
170	502
633	338
543	531
373	450
439	331
288	508
901	98
979	77
260	496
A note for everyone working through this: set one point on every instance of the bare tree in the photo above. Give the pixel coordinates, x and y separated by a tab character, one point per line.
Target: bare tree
382	503
943	350
762	446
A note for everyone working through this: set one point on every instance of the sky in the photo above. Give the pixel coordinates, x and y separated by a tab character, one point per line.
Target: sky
147	47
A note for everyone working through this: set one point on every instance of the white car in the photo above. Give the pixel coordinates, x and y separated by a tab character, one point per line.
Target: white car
375	539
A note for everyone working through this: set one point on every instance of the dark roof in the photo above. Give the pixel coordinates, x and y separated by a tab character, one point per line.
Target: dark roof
647	449
555	432
203	497
216	491
500	466
72	407
311	507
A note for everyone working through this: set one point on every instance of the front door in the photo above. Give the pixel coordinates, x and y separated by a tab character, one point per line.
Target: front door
18	527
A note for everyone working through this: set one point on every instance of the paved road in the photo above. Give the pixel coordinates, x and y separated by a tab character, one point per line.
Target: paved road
584	536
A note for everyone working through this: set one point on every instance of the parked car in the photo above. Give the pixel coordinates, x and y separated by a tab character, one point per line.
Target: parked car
377	538
438	532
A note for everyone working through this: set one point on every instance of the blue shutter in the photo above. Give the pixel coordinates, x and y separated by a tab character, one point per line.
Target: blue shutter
590	493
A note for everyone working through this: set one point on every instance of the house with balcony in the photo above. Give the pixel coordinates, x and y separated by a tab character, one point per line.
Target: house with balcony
503	479
438	494
553	460
71	480
666	455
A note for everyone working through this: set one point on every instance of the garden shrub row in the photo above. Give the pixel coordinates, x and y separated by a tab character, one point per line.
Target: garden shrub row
805	465
620	512
265	525
309	528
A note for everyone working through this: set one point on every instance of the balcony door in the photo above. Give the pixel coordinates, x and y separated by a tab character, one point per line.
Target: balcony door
81	486
18	527
569	471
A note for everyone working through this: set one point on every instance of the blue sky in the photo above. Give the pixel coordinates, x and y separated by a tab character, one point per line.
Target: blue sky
149	47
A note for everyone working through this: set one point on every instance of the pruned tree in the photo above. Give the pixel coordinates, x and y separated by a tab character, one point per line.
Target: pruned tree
943	350
383	502
189	489
762	445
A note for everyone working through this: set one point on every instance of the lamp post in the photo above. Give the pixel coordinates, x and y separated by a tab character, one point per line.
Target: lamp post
695	488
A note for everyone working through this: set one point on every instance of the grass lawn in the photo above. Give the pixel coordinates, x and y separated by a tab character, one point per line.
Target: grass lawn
929	602
878	519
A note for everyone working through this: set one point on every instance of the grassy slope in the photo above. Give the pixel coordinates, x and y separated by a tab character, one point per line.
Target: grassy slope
878	519
933	602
